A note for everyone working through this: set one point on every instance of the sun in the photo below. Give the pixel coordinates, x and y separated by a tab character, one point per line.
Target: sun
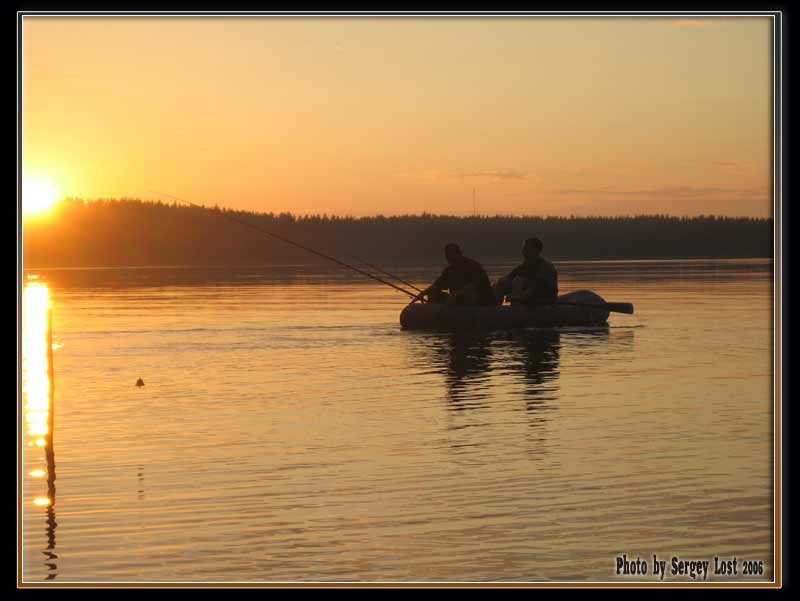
38	195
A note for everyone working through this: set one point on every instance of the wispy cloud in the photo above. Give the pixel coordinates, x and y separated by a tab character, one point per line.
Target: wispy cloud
666	192
493	174
434	174
740	166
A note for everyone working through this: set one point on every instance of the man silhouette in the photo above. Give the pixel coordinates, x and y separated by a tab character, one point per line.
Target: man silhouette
464	278
533	282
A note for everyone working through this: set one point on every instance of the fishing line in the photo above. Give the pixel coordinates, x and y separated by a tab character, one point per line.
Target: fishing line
384	272
288	241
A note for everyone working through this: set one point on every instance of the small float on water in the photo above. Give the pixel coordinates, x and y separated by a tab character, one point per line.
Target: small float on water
579	308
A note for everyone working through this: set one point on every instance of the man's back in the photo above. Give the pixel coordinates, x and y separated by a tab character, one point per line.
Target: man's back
464	272
542	277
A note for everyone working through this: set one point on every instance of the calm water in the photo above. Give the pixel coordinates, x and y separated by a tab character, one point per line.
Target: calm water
288	430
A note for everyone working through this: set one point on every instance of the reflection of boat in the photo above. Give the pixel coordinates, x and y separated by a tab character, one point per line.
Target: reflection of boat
495	382
579	308
521	355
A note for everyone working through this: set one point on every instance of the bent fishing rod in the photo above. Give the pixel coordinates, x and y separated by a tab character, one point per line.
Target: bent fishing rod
384	272
288	241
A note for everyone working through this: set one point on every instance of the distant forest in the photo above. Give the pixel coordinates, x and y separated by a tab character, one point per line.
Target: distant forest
130	232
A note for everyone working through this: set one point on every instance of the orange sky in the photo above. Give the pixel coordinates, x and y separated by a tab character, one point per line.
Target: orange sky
358	116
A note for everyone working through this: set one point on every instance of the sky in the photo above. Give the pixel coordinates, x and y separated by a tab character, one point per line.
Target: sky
397	115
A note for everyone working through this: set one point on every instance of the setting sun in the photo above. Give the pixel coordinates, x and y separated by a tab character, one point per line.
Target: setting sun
38	195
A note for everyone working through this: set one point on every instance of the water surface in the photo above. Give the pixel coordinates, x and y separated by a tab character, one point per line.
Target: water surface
289	430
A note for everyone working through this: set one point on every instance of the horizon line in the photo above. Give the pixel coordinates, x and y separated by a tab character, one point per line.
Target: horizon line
466	215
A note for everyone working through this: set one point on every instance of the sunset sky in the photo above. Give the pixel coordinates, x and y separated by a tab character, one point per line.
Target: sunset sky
358	116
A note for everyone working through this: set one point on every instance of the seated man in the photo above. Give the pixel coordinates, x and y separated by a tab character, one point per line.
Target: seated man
534	282
465	280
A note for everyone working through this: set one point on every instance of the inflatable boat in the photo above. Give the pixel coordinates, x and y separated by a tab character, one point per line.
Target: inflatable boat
579	308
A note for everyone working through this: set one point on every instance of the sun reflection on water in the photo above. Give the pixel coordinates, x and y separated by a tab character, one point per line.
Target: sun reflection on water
35	377
38	394
37	390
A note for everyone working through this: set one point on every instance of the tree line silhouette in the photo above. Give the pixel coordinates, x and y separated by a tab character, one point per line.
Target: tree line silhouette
133	232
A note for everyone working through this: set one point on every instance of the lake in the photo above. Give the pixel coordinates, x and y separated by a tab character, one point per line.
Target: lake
289	430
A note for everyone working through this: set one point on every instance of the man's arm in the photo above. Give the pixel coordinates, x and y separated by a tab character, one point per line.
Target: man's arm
455	294
522	296
439	284
551	279
503	284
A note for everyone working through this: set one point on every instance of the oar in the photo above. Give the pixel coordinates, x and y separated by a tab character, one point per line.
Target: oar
626	308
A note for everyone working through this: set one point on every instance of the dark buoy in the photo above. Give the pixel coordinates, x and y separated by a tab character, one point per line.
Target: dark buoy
140	382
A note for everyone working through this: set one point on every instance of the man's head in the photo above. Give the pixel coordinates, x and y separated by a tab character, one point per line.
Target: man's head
532	249
452	253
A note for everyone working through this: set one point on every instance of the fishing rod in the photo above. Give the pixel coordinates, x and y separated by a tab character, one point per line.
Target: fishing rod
384	272
292	242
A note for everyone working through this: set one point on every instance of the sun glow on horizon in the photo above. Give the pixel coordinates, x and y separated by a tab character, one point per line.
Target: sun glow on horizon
38	196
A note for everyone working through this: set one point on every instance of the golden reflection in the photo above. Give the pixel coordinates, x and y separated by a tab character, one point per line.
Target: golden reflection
35	377
38	394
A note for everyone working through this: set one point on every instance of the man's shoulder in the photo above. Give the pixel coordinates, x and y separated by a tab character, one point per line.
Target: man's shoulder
522	268
548	263
448	269
473	263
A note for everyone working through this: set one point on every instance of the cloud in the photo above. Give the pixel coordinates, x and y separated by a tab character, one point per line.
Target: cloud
434	174
493	174
681	191
735	165
666	192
